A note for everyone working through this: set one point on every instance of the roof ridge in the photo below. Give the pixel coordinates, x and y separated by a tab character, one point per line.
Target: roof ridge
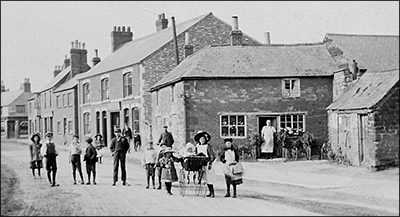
368	35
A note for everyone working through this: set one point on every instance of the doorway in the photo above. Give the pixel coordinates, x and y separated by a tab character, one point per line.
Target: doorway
363	126
104	114
10	129
115	122
262	121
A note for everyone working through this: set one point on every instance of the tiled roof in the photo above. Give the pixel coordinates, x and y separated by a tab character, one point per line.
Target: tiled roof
138	49
57	79
70	83
8	97
367	91
373	52
254	61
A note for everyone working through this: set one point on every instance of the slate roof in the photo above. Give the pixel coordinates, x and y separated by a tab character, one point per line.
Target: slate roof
135	51
254	61
70	83
367	91
8	97
372	52
58	78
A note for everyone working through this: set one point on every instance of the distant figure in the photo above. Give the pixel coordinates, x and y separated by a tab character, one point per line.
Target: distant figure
137	142
127	132
158	166
267	133
149	162
166	138
91	159
74	155
99	145
50	153
36	156
119	147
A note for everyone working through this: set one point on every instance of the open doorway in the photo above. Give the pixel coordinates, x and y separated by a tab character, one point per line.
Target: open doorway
262	121
115	122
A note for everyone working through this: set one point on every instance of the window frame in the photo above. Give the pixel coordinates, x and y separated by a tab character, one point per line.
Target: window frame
105	88
86	92
292	120
86	123
69	99
294	88
126	85
229	125
136	119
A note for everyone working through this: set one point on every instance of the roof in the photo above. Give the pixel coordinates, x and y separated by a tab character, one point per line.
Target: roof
70	83
254	61
367	91
135	51
372	52
8	97
57	79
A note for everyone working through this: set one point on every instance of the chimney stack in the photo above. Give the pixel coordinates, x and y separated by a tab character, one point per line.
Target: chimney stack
236	34
161	23
78	60
26	85
119	38
67	62
354	69
267	38
57	70
188	49
3	86
96	59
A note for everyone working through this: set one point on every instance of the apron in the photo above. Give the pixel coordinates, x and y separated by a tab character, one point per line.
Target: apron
268	145
209	176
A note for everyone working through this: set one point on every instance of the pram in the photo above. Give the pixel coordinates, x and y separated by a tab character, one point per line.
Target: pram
192	172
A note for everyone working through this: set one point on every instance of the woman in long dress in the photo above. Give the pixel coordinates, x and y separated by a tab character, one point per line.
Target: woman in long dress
202	138
267	132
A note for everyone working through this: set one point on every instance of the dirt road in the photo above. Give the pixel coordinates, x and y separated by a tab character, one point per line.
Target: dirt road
27	196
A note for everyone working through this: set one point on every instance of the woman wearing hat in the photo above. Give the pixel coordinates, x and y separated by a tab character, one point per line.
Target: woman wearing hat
36	156
202	138
229	157
168	172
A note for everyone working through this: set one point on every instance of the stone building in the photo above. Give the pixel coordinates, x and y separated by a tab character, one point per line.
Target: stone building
14	111
364	121
231	90
116	91
47	104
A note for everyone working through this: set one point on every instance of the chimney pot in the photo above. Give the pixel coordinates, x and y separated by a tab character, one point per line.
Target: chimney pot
123	28
83	45
267	38
115	28
235	24
119	29
129	29
96	52
76	44
72	44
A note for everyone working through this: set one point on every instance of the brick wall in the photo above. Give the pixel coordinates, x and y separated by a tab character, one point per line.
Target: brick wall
67	112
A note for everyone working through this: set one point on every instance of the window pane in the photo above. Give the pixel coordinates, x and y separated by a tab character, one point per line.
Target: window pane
224	131
224	120
300	117
240	120
232	120
295	118
240	131
287	84
232	131
293	84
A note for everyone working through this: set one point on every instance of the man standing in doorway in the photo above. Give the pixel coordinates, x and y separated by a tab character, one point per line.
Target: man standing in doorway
166	138
267	133
118	147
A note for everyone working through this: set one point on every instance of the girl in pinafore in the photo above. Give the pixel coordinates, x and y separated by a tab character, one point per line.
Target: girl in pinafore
168	172
36	156
229	157
202	138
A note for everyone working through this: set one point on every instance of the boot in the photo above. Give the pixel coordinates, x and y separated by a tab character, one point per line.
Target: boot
54	180
228	194
49	177
234	191
211	189
94	178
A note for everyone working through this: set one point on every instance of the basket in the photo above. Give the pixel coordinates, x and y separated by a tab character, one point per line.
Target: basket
194	163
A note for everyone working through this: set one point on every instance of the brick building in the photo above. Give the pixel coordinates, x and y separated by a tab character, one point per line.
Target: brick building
116	91
14	111
230	91
364	121
49	105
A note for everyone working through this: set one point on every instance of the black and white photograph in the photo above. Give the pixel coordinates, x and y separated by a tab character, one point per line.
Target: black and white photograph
200	108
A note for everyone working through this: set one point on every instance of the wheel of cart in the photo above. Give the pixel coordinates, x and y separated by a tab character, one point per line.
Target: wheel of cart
192	172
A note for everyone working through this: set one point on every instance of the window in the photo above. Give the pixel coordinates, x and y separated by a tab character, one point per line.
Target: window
44	100
135	119
69	99
97	122
38	104
86	93
20	108
294	121
233	126
290	88
30	108
59	127
172	92
58	101
65	100
50	99
105	95
127	79
156	97
86	123
70	127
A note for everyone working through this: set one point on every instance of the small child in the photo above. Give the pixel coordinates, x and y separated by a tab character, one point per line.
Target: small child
149	162
91	159
168	172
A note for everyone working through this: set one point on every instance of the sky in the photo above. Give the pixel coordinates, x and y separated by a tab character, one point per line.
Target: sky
36	36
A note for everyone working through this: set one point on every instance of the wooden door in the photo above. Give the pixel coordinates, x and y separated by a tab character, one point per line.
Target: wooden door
363	126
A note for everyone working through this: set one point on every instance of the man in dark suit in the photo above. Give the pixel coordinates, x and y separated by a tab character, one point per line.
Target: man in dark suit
166	138
118	147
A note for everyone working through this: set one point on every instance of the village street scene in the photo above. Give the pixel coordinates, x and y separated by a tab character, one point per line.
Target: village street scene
200	108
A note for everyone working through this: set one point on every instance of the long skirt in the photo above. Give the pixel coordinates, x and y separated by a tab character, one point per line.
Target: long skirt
209	176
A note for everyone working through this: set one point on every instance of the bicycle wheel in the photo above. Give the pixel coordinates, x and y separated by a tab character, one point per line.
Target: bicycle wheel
182	182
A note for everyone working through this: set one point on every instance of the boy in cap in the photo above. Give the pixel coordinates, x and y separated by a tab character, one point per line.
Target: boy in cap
91	159
119	147
50	153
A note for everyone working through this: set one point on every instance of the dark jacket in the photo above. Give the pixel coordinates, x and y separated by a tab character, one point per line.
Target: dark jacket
127	132
121	145
222	156
90	155
136	138
166	138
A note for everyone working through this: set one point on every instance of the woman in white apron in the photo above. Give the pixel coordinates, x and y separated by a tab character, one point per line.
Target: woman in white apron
202	138
267	133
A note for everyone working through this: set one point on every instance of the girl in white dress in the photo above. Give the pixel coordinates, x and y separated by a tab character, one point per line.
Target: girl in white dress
202	138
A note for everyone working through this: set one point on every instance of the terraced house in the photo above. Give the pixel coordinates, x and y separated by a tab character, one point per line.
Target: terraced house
116	91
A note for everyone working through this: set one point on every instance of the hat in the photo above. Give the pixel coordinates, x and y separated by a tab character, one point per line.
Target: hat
117	130
228	140
165	126
33	136
88	140
49	134
201	134
168	150
98	135
75	136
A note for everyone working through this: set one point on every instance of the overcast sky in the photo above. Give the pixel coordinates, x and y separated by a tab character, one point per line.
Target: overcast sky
35	36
